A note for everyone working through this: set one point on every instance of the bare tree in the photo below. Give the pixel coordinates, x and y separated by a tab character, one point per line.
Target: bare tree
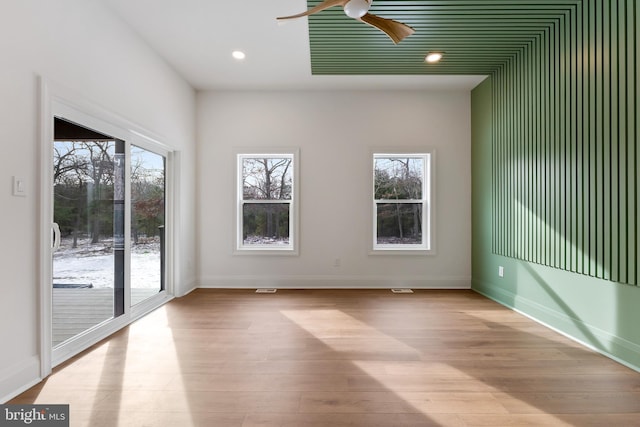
268	179
83	178
400	180
101	173
69	168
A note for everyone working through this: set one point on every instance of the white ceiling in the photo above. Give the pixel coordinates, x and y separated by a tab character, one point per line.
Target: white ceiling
197	37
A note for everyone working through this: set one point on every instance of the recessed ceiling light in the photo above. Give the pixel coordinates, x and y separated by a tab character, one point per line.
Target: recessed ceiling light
238	54
433	57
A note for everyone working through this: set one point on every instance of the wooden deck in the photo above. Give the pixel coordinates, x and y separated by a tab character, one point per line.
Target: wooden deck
76	310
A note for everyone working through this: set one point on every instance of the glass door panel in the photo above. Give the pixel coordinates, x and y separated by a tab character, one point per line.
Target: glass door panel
88	267
147	224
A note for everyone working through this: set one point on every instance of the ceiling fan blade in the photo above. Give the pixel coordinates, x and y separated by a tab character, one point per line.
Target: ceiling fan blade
397	31
326	4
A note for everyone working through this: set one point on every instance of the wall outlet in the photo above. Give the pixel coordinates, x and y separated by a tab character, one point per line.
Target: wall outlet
500	271
337	262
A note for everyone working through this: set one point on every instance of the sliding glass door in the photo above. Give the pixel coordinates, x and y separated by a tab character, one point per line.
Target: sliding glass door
109	204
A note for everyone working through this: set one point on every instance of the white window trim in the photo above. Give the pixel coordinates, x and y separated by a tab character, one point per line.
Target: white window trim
428	211
293	247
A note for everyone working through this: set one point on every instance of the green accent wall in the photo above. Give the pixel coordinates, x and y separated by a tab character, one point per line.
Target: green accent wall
555	179
565	155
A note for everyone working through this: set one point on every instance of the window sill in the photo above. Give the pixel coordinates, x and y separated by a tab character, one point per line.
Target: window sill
266	252
403	252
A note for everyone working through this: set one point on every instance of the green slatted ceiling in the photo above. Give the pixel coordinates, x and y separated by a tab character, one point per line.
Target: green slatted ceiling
477	36
566	157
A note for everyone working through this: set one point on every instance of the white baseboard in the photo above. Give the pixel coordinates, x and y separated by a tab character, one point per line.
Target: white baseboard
18	378
334	282
185	289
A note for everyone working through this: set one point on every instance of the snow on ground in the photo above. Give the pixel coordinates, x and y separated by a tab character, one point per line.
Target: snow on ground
262	240
93	264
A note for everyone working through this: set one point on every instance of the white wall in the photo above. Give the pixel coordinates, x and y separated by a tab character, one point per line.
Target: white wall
335	132
80	45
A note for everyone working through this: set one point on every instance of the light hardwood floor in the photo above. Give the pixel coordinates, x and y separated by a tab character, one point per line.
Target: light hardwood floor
340	358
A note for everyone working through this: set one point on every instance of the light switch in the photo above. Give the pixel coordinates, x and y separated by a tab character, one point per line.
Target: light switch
19	187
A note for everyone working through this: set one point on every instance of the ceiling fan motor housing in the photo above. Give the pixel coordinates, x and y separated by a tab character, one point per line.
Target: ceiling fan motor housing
356	9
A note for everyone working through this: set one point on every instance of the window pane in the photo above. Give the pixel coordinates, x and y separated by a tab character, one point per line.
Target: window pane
265	224
85	283
398	178
147	223
267	178
399	223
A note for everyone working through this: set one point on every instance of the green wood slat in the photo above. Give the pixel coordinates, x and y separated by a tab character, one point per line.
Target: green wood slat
537	150
517	162
505	190
591	207
552	189
606	146
563	27
548	253
636	135
572	117
522	177
598	146
582	137
612	123
614	152
529	176
608	141
503	164
632	141
576	210
513	160
623	148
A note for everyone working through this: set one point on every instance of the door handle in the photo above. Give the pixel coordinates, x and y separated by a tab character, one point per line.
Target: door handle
56	236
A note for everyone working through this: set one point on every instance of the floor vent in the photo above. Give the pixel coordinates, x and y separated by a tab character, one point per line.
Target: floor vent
266	291
402	291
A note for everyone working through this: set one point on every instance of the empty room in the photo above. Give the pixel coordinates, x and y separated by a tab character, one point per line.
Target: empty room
320	213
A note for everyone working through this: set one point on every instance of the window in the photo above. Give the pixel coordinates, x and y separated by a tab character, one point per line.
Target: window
266	208
401	202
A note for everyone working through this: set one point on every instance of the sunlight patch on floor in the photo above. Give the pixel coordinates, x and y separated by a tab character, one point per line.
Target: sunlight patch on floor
328	326
403	380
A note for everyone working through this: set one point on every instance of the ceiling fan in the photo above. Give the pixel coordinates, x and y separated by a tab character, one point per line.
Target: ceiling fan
359	9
